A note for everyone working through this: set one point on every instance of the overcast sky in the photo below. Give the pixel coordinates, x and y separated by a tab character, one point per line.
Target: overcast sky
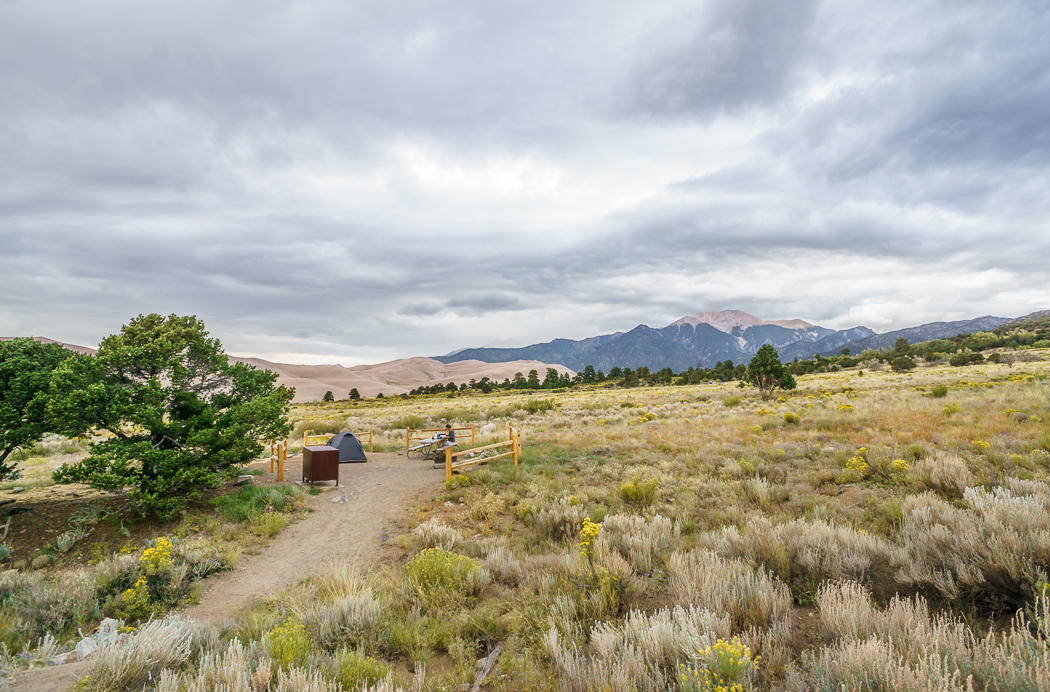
353	182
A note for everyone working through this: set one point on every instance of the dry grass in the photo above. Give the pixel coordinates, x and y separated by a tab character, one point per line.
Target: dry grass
919	535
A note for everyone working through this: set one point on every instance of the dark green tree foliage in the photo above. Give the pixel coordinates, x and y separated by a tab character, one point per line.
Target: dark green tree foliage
902	363
25	379
328	396
354	394
180	414
766	372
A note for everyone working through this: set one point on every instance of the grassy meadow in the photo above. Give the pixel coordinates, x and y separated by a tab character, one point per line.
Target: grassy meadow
867	531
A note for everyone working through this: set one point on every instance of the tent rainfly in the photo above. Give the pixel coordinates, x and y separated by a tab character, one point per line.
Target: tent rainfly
349	447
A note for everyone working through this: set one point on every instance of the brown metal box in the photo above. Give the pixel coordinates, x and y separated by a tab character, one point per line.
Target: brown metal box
320	463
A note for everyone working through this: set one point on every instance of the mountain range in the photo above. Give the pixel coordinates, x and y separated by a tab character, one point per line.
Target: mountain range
707	338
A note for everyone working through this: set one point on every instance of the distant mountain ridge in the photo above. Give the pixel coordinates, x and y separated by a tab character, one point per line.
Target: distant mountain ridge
705	338
923	332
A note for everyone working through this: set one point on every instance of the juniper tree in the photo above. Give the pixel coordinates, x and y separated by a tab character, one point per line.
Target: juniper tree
26	366
766	372
179	413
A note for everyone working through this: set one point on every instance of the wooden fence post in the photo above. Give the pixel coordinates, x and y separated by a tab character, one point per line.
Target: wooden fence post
282	454
513	447
370	440
408	438
448	464
472	432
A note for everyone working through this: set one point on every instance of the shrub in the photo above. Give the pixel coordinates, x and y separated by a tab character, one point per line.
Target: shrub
539	405
132	662
939	391
792	418
640	493
993	555
904	648
642	653
804	554
435	570
731	400
487	506
560	519
727	665
641	544
945	473
749	597
433	533
902	364
458	481
407	421
354	670
288	644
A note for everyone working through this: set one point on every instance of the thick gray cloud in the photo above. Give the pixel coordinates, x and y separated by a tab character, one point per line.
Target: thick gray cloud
327	181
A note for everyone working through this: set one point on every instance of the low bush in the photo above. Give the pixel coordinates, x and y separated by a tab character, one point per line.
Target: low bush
539	405
749	597
731	401
939	391
407	421
433	533
641	654
942	472
434	570
354	670
288	644
638	493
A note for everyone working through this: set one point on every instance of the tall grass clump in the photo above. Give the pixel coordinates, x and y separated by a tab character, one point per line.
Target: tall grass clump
132	662
253	501
748	596
994	554
642	543
642	653
905	648
805	554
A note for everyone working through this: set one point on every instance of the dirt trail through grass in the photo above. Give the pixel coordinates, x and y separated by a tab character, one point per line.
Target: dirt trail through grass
356	531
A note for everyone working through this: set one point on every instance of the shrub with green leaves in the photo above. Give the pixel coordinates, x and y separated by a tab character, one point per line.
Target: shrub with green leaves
434	569
539	405
939	391
354	670
180	413
288	644
640	493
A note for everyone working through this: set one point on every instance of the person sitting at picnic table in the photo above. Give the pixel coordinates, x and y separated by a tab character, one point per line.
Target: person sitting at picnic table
450	436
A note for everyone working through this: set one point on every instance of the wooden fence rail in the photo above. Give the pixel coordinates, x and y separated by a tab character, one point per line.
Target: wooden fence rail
309	439
514	443
411	437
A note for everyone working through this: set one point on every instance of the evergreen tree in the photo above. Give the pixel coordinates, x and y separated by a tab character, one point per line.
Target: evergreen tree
766	372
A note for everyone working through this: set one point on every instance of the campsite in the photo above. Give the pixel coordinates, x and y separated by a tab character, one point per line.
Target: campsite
649	536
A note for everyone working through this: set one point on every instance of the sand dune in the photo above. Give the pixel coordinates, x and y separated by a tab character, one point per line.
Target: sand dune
390	378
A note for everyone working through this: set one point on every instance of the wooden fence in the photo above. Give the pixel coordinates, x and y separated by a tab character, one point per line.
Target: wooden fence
414	435
514	443
309	439
278	453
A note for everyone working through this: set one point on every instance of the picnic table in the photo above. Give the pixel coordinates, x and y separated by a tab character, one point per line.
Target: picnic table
432	447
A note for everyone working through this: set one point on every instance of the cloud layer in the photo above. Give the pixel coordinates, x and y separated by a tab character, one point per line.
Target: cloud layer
362	181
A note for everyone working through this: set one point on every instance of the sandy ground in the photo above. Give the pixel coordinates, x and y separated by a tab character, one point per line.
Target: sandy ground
356	531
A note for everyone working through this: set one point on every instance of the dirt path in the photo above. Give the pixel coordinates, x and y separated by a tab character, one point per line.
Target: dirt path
356	531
